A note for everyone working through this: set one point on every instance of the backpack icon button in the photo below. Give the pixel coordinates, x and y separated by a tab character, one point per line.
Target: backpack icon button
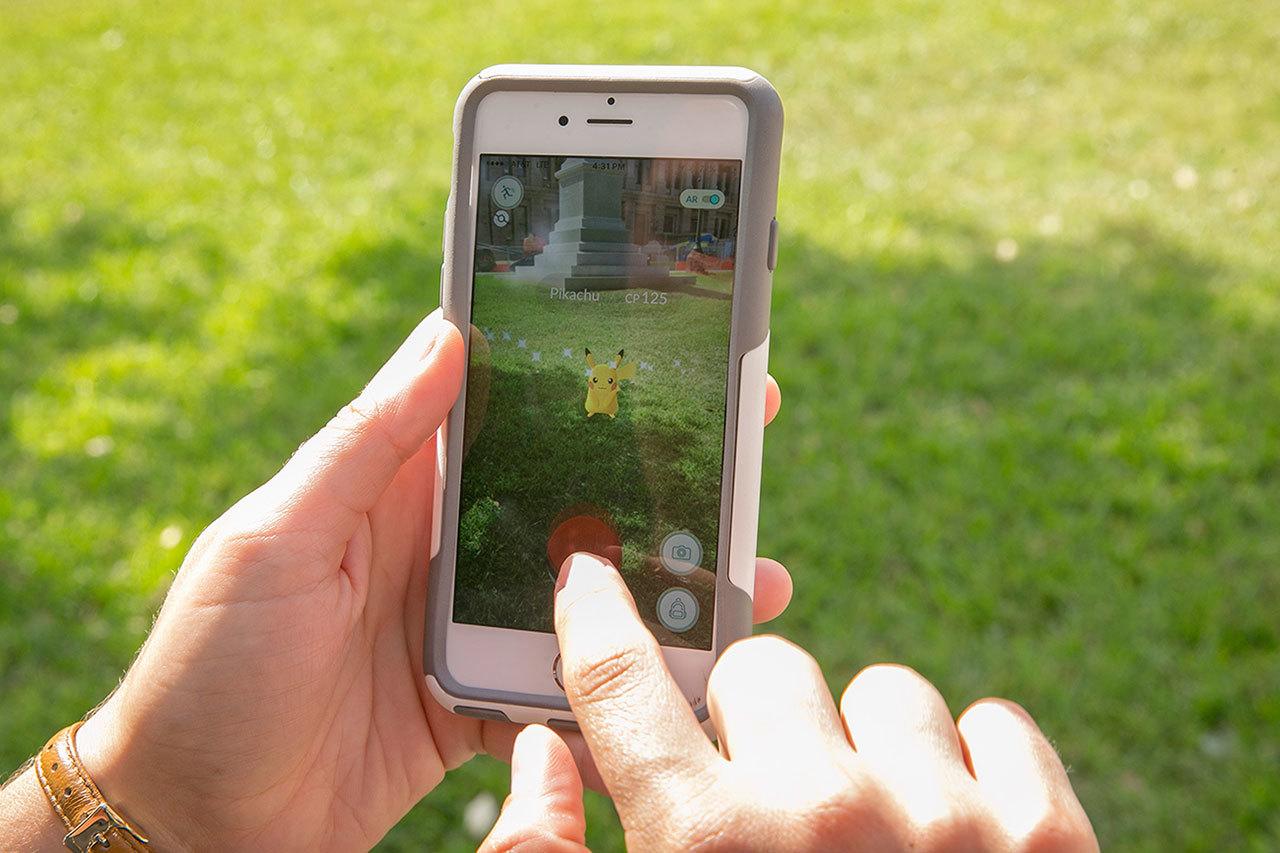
677	609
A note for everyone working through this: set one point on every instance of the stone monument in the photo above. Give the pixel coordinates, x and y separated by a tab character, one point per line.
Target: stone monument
590	247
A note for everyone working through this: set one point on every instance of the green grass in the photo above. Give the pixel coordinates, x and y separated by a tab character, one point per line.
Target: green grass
1026	319
534	452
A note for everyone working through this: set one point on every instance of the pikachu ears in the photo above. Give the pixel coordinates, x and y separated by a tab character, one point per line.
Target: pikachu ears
625	371
591	362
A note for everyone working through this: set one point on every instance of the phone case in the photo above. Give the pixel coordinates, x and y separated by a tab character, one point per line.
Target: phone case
748	355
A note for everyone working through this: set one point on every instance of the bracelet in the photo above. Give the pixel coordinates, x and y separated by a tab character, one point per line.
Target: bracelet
91	823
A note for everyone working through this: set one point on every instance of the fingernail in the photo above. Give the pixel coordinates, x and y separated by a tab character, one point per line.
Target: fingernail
529	760
579	562
434	328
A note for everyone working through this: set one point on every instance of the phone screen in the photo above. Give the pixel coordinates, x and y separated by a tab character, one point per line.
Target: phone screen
596	386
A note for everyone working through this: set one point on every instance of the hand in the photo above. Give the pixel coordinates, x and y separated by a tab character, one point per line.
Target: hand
279	701
889	771
544	809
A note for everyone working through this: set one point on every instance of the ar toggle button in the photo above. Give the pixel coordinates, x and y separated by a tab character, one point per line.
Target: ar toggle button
696	199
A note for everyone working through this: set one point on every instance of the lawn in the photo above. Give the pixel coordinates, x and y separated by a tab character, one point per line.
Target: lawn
1026	321
534	453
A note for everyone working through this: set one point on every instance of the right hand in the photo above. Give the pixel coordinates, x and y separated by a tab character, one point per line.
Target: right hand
888	770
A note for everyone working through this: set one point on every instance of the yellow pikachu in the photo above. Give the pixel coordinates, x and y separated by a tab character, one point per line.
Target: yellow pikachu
602	385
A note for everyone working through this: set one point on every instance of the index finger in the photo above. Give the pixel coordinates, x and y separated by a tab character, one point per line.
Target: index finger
646	742
772	399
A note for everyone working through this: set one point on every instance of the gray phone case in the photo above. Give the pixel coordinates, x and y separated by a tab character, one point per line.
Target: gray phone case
748	352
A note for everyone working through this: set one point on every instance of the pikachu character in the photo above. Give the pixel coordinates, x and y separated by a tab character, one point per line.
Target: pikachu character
602	385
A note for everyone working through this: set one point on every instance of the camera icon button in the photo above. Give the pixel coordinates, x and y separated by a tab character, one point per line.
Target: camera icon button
681	552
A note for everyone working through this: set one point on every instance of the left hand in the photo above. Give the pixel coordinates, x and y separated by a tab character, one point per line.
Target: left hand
279	701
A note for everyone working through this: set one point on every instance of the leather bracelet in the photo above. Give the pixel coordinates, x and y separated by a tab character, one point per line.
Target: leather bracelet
92	824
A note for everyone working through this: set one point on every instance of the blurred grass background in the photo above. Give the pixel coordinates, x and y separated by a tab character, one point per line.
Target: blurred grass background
1027	323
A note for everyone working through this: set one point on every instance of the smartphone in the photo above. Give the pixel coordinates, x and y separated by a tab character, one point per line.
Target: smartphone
609	245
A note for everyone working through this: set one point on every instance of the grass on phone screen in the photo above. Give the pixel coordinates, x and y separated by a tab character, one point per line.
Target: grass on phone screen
652	469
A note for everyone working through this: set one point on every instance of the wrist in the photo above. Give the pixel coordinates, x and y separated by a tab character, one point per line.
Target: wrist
27	821
115	759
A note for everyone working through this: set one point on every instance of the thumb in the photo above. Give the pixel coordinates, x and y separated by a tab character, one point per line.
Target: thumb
544	810
340	473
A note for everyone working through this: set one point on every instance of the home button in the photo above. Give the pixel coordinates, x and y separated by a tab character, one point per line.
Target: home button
557	672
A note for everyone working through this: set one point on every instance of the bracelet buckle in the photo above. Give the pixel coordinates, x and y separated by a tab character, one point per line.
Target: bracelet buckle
90	833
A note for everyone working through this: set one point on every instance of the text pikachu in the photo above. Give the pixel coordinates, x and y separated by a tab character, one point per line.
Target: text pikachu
602	385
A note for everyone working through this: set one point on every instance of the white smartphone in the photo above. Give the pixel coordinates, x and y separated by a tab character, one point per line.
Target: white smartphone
609	248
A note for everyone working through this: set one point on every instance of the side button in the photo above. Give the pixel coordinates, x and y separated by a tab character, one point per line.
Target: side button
482	713
772	260
563	725
444	226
